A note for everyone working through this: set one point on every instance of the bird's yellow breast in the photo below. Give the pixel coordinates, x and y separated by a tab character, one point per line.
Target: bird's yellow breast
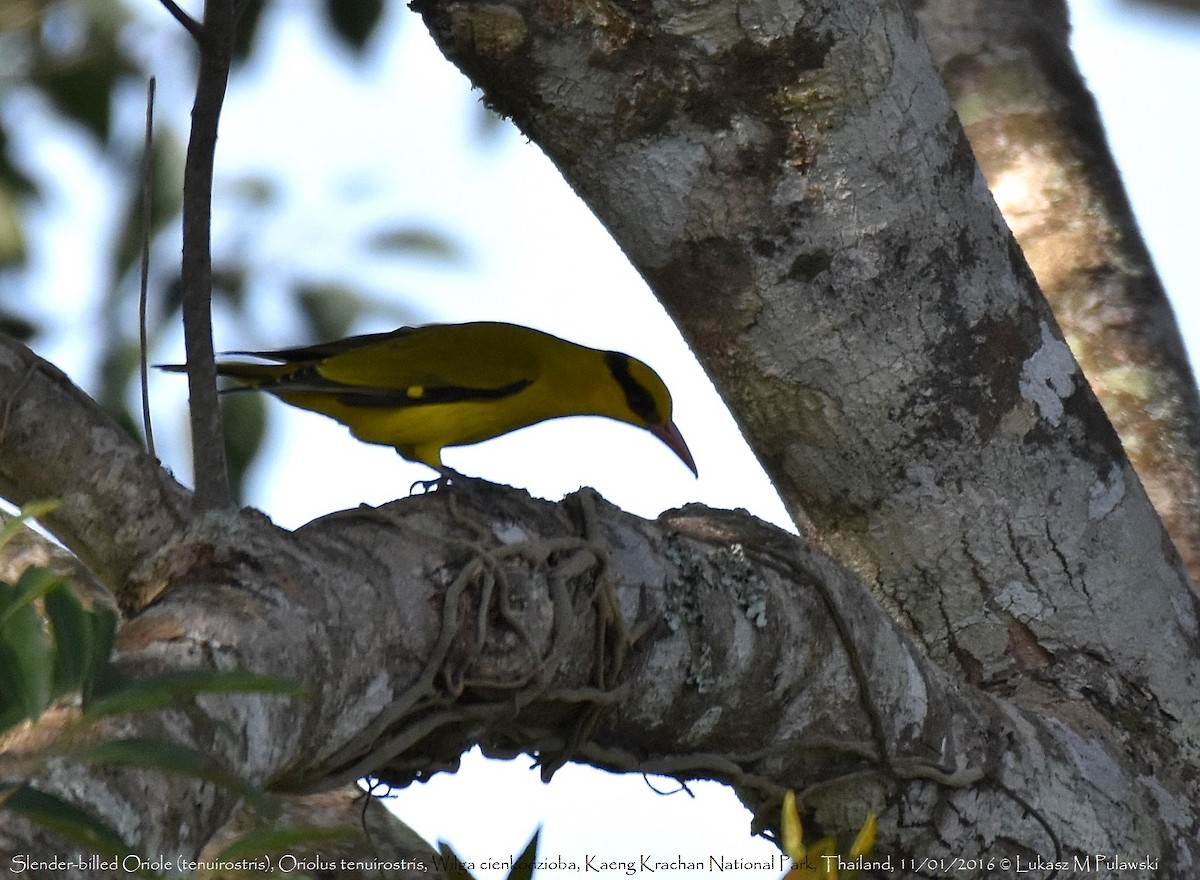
421	430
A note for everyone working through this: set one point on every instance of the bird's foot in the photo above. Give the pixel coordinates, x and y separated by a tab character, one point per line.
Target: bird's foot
427	485
446	477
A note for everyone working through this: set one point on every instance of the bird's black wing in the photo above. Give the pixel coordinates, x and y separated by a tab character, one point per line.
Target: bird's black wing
322	350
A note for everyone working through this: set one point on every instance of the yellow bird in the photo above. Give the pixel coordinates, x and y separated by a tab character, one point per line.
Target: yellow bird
421	389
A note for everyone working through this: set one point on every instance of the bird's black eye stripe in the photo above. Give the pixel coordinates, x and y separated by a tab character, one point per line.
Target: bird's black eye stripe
639	399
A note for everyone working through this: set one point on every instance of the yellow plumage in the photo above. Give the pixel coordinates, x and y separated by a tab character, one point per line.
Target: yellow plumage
421	389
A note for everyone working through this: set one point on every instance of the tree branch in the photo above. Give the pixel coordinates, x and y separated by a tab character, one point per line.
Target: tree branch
465	628
578	632
215	43
117	506
144	273
190	24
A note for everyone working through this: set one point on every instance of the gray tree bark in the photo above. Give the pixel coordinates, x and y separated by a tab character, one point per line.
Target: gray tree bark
998	653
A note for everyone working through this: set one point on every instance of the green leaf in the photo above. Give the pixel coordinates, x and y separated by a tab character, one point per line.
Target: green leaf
156	754
26	661
34	583
522	868
172	688
416	241
18	327
254	191
329	309
38	509
82	88
83	643
166	171
72	627
229	285
13	246
102	677
270	841
13	178
63	817
354	20
31	510
171	298
245	420
119	363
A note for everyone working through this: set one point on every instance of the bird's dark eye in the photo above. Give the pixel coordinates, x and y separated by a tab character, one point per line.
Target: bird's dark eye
637	397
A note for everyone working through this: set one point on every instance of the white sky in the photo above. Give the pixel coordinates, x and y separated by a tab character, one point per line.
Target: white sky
393	144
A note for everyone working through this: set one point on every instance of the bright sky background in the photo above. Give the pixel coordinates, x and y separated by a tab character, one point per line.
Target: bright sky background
391	141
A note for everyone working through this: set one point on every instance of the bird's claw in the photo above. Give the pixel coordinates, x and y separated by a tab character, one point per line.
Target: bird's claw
428	485
446	477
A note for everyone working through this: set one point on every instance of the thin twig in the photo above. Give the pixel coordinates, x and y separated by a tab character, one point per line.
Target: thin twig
147	217
190	24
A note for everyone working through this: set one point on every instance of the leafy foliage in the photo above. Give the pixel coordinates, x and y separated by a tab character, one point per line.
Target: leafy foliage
49	652
63	817
54	648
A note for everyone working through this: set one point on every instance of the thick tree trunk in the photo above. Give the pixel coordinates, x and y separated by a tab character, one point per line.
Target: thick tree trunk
1037	134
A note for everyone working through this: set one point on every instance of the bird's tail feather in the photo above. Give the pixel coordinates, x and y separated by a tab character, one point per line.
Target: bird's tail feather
250	375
